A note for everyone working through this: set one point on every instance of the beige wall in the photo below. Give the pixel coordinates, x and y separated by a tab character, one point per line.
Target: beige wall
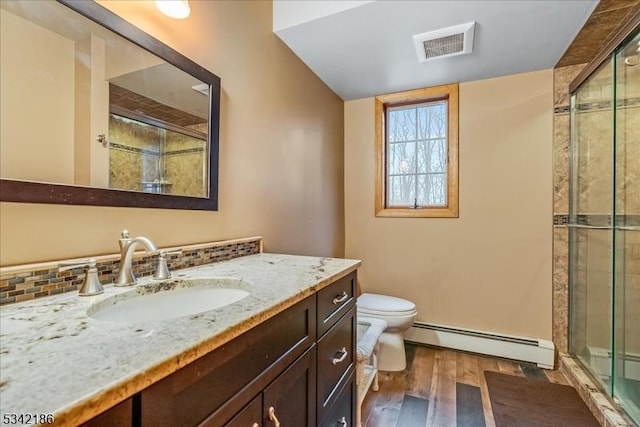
99	155
124	57
490	269
281	172
35	63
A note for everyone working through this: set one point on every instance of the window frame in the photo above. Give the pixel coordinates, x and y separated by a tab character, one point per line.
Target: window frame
416	97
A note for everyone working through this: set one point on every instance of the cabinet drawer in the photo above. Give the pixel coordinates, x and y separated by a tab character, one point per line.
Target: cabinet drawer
335	359
238	369
334	301
343	411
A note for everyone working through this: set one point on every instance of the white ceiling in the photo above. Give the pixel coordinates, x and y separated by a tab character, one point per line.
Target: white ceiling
361	49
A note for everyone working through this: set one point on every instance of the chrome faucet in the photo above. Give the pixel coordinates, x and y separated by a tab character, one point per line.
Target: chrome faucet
128	246
91	284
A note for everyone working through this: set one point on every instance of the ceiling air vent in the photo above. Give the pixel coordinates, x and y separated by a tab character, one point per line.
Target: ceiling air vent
449	41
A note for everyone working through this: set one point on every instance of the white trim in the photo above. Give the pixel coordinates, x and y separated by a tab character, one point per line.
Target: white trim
538	351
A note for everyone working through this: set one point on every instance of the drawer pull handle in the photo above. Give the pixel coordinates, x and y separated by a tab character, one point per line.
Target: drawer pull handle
339	299
255	425
337	360
343	421
272	416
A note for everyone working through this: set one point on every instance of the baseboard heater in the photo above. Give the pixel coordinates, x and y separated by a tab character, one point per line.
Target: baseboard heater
540	352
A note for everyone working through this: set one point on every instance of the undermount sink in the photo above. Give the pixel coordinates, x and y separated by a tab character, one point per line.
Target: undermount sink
169	299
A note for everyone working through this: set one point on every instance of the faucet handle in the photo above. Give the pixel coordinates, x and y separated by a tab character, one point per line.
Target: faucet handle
162	268
91	284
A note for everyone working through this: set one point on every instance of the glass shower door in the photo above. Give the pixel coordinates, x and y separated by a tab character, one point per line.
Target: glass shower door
626	372
590	228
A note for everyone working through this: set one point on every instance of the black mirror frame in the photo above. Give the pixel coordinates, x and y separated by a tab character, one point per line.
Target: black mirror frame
37	192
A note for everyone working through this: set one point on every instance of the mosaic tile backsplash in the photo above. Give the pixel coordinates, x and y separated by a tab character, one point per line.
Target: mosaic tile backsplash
21	283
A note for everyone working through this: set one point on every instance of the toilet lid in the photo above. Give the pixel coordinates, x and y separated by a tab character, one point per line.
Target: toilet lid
384	304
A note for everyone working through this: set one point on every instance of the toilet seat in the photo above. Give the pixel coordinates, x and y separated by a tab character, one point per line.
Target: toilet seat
377	313
384	305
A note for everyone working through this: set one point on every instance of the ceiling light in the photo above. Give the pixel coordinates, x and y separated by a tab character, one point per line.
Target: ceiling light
178	9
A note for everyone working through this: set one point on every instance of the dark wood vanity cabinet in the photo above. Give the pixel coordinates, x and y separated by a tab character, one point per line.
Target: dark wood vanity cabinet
119	415
249	416
297	368
336	362
343	411
289	399
334	301
336	401
211	390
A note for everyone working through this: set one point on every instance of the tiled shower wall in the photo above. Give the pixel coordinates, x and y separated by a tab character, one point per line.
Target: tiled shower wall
140	153
562	77
185	164
135	161
21	283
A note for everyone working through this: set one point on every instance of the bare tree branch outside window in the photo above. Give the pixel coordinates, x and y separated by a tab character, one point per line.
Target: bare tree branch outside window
417	155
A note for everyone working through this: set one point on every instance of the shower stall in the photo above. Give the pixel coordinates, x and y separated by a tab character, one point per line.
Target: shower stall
157	158
604	221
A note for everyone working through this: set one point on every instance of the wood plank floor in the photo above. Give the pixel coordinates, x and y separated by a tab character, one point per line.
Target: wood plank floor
441	388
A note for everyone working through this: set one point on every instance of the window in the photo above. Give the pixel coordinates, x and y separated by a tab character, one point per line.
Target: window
417	153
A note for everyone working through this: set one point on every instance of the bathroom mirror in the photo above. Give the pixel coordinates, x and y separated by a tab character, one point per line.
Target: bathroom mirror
96	112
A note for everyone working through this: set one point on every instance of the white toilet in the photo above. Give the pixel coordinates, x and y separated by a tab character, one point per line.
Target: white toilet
399	315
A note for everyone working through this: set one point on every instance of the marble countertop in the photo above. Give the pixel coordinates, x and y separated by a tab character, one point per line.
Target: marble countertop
54	358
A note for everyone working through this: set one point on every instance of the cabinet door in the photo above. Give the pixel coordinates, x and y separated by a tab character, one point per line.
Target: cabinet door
120	415
213	388
291	399
250	416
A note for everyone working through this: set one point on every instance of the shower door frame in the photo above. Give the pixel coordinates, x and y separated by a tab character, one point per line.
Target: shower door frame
608	53
612	45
